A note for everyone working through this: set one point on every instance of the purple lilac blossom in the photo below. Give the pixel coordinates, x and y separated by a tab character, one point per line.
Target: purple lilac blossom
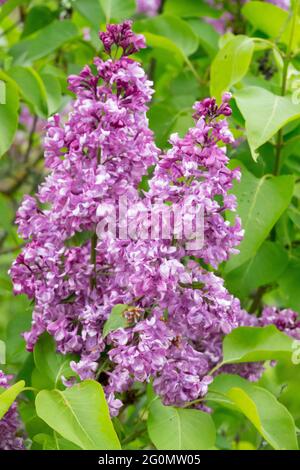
148	7
178	311
10	424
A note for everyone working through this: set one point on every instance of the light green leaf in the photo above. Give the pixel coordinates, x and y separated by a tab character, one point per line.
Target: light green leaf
172	428
115	320
2	352
9	6
253	344
265	114
230	64
190	8
9	395
91	10
9	117
50	364
160	42
45	41
2	92
272	420
271	20
261	202
270	417
79	414
31	87
174	29
207	35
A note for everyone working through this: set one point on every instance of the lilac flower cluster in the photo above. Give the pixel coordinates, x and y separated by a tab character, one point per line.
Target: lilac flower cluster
178	309
10	424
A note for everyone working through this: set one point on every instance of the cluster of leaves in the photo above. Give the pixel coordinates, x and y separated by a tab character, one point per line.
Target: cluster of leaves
41	43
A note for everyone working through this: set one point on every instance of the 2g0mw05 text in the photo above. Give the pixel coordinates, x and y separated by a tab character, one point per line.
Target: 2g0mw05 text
151	459
174	459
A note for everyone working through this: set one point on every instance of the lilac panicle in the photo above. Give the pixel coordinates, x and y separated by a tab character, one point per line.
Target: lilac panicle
11	437
121	35
179	311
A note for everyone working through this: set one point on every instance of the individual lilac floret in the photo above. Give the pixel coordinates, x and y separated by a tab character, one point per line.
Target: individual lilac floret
121	35
10	435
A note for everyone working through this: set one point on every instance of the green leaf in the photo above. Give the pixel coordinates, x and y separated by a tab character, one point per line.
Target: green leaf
50	364
190	8
270	417
272	420
260	204
118	9
265	114
45	41
20	321
2	92
294	215
79	414
158	42
207	35
31	87
9	6
9	395
115	319
91	10
289	285
2	352
264	268
37	17
271	20
230	64
9	117
254	344
55	442
53	92
176	30
172	428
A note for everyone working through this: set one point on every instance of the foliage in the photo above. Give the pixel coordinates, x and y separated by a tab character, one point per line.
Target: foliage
192	52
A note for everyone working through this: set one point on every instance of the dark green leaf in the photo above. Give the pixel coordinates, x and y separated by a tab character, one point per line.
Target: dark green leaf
9	117
260	204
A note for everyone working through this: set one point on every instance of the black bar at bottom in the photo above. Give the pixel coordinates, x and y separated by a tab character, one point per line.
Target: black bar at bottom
134	459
